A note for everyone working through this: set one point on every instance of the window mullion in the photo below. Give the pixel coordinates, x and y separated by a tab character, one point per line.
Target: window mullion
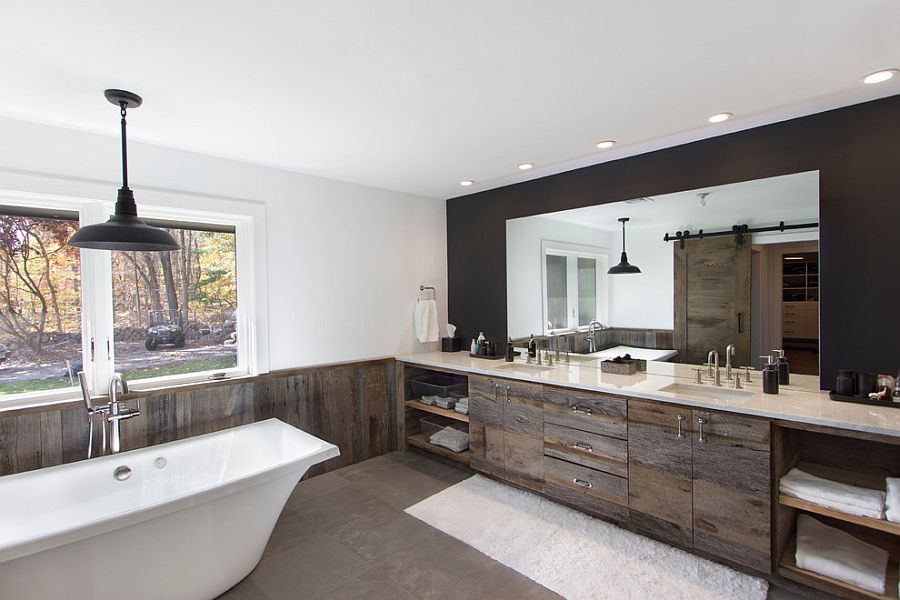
97	311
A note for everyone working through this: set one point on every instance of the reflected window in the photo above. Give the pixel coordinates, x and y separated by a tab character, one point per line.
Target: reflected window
557	296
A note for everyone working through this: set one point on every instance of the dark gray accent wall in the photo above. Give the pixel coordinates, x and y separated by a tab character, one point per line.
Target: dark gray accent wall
857	153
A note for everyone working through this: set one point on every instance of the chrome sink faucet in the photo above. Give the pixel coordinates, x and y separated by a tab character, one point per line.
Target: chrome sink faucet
591	337
712	359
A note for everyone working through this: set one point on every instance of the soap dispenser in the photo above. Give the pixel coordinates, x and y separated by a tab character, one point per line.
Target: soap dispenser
784	371
770	375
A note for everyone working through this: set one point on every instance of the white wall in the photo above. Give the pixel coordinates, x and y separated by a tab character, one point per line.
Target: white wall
524	293
342	262
646	300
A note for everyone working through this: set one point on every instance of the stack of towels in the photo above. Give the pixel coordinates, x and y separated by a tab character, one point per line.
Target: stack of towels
451	438
830	551
839	496
837	554
462	407
445	402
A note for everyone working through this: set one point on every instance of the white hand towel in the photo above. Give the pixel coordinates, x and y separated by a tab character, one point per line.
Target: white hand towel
837	554
426	321
839	496
892	504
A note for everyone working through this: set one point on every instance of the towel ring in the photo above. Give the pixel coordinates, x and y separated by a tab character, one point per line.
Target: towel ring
422	288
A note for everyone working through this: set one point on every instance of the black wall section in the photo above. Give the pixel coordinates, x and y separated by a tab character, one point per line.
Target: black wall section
857	153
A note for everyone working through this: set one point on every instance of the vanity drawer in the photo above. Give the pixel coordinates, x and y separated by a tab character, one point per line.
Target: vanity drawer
599	452
587	411
589	482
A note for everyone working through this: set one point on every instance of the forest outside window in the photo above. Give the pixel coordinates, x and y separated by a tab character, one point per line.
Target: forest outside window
160	318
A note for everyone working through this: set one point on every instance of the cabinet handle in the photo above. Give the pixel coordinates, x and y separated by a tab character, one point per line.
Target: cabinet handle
581	446
700	422
680	432
507	395
581	411
583	483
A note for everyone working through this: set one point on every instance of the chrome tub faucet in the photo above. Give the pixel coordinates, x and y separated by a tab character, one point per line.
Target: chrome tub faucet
111	413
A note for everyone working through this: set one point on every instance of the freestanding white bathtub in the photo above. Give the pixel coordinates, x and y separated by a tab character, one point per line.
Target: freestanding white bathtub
192	519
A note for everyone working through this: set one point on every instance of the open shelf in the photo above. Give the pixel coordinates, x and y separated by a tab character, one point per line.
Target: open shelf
418	440
437	410
818	509
788	568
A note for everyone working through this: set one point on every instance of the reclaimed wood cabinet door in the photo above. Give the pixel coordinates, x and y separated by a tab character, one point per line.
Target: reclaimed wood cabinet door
506	430
732	488
660	474
486	433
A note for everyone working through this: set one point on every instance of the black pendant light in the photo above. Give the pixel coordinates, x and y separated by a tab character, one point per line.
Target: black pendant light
124	230
623	268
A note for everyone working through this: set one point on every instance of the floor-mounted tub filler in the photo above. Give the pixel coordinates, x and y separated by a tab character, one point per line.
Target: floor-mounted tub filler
182	520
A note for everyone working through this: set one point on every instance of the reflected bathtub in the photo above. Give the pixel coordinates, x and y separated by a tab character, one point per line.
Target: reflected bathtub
189	520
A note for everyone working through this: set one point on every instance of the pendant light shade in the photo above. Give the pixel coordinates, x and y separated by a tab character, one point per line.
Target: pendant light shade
624	267
124	230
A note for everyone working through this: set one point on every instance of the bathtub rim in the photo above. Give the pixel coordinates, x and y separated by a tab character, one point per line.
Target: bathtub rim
99	526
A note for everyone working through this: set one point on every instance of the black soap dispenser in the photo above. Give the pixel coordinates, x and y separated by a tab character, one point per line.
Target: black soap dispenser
784	370
770	375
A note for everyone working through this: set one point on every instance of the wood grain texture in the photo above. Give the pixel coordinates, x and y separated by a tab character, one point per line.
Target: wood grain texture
587	449
712	288
602	485
608	414
353	406
592	505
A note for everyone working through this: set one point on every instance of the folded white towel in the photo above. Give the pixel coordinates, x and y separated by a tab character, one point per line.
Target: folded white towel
427	321
892	503
839	496
837	554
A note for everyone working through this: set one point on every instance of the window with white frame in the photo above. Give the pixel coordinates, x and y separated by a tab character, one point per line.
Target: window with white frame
157	317
573	285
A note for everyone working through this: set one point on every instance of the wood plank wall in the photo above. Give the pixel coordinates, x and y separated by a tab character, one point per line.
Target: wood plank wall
351	405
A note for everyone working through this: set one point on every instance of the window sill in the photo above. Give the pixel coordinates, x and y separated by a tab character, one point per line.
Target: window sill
71	398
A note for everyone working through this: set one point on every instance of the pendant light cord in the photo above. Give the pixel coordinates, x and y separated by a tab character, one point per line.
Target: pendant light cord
122	105
623	236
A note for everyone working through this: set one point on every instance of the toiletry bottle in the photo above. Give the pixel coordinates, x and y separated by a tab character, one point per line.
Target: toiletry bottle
474	348
510	353
532	347
896	395
784	371
770	375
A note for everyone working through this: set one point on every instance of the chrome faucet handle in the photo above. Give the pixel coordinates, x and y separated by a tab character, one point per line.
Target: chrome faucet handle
550	359
717	380
747	371
737	382
89	405
699	371
709	368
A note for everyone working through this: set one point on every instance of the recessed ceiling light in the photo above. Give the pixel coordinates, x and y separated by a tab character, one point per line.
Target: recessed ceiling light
719	117
879	76
525	166
606	144
466	182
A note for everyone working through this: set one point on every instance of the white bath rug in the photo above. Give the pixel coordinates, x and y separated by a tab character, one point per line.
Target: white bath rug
573	554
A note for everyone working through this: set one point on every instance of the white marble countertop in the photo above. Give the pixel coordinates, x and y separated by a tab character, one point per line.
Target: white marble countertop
801	402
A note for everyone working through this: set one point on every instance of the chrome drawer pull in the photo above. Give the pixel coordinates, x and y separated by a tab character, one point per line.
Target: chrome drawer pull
700	422
680	432
580	446
581	411
507	395
583	483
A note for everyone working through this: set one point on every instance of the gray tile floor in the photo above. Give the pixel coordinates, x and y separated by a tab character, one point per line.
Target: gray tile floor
344	535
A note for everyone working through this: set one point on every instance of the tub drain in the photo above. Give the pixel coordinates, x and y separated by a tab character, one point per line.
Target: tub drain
160	462
122	473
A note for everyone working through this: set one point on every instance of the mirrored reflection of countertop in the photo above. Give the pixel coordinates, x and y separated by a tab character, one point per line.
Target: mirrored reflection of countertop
801	401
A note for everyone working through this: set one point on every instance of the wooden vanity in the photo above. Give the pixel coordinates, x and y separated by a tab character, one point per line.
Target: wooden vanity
698	478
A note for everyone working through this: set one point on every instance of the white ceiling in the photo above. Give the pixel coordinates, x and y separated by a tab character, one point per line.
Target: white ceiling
793	199
414	96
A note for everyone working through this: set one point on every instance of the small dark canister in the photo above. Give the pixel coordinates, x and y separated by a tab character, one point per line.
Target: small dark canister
865	384
845	384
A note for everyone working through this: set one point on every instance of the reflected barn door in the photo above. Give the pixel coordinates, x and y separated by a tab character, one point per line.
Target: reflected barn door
712	299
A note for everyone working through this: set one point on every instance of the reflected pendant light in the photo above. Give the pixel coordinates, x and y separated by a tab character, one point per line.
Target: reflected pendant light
124	230
623	267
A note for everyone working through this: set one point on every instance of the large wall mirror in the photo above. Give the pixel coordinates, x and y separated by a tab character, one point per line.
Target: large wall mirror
741	267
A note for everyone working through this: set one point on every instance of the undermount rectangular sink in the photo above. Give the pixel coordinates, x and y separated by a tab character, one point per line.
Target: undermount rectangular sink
524	367
707	392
